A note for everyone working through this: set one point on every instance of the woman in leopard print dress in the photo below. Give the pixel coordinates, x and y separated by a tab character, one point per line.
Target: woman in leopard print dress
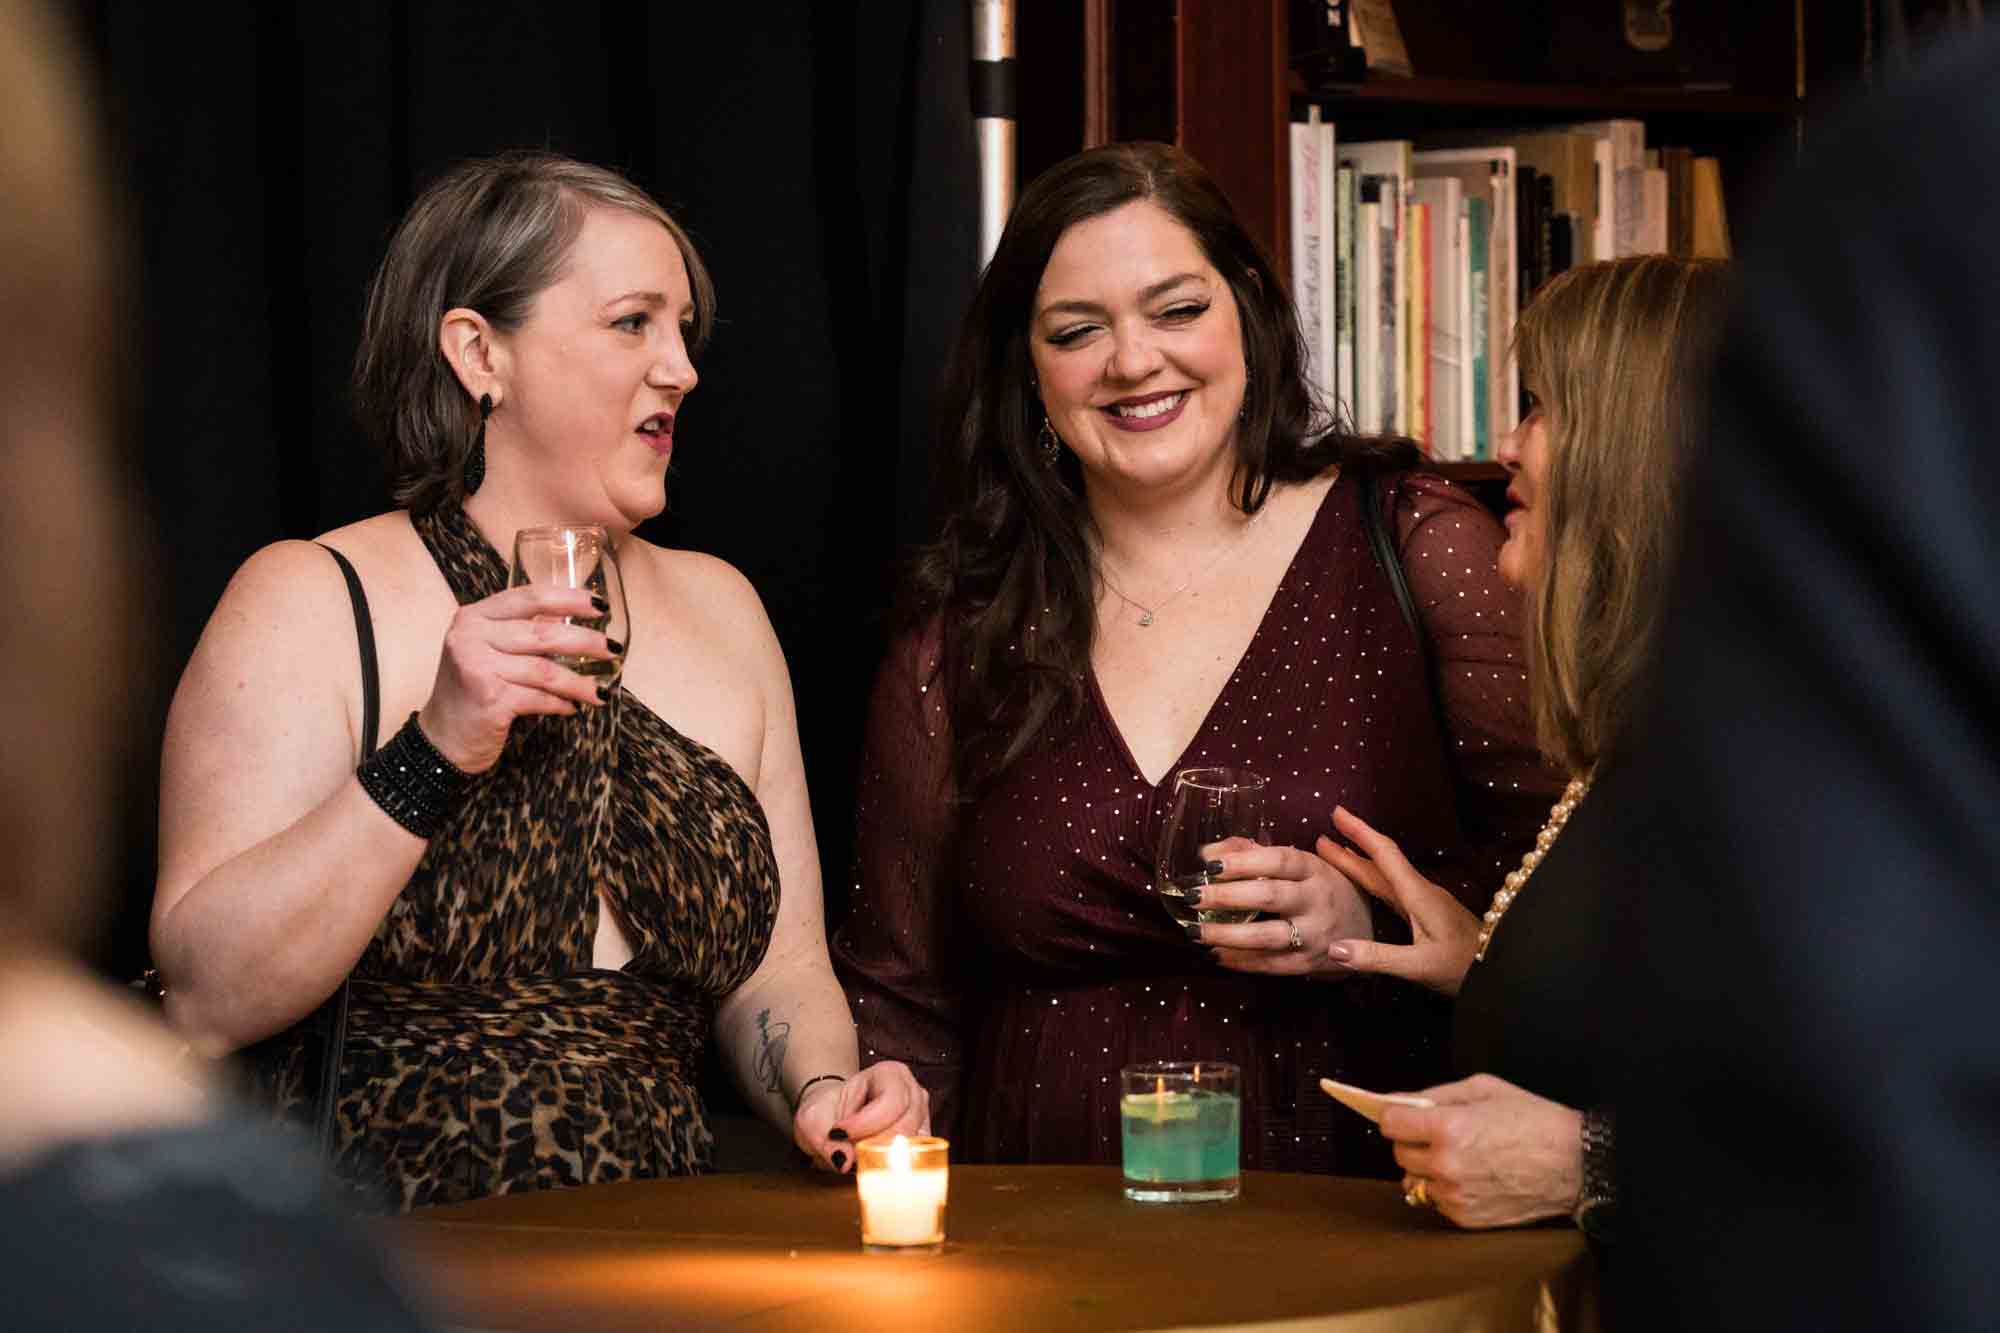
539	960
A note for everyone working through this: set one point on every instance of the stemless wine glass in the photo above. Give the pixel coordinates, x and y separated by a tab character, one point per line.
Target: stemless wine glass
577	555
1215	810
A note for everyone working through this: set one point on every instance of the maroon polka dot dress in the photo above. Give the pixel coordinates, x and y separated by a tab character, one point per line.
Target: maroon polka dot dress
1013	953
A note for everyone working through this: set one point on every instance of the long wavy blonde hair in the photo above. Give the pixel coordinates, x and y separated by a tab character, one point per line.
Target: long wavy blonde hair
1618	355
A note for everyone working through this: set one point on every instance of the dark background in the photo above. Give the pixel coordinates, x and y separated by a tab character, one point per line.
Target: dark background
820	154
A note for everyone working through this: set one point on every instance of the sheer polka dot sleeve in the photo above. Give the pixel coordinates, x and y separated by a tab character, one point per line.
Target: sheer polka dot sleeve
893	952
1450	545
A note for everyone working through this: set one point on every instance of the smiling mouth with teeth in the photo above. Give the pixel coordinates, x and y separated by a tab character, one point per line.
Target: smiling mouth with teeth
1153	408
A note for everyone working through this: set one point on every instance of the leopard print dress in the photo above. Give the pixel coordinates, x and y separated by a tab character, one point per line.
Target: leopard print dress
485	1054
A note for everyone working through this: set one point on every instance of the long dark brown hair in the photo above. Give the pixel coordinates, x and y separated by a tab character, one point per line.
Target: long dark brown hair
1011	577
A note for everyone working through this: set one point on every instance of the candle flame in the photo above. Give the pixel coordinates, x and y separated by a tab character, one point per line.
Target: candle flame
899	1154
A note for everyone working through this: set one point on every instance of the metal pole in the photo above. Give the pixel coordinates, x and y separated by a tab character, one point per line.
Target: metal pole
993	114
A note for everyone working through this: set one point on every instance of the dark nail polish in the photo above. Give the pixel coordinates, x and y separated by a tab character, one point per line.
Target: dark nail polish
599	602
617	648
603	694
1194	895
1214	867
837	1134
839	1160
1193	929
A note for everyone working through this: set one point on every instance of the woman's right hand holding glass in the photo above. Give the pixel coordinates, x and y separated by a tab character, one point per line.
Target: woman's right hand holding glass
498	663
1443	934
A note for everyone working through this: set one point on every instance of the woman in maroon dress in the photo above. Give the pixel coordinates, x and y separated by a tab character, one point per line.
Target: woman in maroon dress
1154	558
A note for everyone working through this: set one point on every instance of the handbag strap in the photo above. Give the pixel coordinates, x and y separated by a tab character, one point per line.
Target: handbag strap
332	1017
1375	523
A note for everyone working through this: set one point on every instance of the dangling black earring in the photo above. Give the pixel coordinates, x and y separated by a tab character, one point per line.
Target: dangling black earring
1050	444
475	462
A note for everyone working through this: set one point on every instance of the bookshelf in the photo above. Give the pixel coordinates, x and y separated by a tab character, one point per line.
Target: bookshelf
1218	78
1571	101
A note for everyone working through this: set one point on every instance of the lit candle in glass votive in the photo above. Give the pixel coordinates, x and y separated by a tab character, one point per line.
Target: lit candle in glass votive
903	1183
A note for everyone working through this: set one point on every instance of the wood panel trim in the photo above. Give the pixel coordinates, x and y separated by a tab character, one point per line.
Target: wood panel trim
1100	75
1234	107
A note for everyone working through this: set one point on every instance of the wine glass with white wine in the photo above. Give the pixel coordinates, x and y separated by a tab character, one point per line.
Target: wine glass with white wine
578	555
1215	811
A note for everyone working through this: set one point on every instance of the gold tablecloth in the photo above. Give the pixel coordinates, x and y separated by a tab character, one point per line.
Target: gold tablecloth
1029	1247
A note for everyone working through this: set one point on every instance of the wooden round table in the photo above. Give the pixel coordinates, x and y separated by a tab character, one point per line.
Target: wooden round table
1029	1247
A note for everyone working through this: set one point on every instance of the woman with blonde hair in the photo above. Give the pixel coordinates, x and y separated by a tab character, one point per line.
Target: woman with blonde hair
1615	356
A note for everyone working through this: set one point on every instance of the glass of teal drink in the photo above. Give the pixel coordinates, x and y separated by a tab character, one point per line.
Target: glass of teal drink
1182	1130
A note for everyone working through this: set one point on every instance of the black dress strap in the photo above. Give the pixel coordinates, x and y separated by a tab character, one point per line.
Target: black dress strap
364	634
331	1019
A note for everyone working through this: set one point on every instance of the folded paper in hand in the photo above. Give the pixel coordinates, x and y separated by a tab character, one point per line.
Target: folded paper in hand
1370	1104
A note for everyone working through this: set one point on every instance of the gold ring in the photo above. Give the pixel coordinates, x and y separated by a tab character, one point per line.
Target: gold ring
1298	940
1418	1194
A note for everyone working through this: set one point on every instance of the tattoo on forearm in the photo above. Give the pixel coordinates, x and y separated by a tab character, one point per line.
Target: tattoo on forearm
769	1063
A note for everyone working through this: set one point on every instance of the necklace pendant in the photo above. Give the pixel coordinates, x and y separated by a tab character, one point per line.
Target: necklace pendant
1145	619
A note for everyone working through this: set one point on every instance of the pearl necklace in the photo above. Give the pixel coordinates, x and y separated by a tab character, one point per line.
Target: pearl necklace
1558	816
1147	613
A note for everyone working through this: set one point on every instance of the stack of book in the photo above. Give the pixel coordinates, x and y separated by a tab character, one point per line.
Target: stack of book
1410	262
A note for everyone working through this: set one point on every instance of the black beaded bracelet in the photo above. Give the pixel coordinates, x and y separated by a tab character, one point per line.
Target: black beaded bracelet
1597	1201
414	784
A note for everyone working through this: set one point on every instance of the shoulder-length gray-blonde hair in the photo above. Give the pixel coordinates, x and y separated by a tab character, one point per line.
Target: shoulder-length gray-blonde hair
490	235
1617	355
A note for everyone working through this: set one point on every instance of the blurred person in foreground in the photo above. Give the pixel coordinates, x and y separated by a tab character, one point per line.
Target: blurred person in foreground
1814	969
1615	357
130	1197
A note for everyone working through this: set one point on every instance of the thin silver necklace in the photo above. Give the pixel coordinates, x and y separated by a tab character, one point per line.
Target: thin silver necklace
1147	614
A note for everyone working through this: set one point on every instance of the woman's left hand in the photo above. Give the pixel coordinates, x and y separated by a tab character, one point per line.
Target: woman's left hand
884	1098
1489	1154
1309	904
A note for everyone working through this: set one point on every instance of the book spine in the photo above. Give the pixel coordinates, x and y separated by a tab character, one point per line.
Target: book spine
1343	284
1562	243
1329	249
1444	322
1628	154
1417	328
1462	352
1395	373
1545	225
1478	230
1308	269
1525	227
1680	201
1504	268
1711	219
1653	234
1604	221
1368	313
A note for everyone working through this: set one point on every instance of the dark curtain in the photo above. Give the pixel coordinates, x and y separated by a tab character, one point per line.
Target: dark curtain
820	153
